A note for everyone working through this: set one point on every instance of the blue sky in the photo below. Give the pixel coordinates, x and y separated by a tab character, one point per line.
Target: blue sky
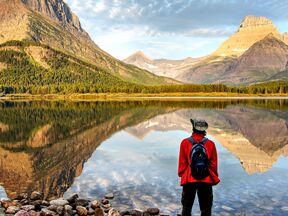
172	29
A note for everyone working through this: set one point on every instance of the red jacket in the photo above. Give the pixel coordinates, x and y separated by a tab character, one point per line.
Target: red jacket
184	161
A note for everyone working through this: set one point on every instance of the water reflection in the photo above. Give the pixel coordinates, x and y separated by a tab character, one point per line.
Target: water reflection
255	135
44	145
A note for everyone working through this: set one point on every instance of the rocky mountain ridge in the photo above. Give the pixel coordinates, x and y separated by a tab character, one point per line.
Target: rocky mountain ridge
56	10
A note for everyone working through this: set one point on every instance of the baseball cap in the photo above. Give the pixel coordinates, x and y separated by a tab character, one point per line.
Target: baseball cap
199	124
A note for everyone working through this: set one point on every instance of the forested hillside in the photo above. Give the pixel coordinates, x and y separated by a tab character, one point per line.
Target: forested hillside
34	68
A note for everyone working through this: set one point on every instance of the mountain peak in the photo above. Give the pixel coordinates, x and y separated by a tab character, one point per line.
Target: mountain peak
141	54
251	30
137	56
254	21
57	10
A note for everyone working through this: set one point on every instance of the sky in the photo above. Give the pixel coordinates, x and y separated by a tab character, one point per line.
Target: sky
171	29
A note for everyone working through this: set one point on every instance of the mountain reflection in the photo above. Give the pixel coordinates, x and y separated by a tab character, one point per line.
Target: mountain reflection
44	145
257	136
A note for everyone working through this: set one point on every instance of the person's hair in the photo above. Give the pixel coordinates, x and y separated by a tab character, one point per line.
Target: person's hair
199	132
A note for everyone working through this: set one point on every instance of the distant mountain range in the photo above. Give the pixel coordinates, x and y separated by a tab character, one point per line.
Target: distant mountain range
161	67
257	52
51	22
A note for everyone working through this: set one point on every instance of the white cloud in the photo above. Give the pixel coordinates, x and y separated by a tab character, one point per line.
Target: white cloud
121	27
210	32
99	6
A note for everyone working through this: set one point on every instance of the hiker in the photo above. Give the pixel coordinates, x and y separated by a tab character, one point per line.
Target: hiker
198	169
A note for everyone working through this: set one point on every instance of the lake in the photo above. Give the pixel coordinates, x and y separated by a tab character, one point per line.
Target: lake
131	148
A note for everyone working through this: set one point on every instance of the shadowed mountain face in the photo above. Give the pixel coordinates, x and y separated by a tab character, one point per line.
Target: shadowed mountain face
208	70
51	22
264	60
44	145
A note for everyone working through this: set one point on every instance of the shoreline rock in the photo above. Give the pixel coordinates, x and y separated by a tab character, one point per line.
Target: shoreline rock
34	205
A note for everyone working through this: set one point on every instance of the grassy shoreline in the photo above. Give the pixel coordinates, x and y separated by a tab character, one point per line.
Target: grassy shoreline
121	96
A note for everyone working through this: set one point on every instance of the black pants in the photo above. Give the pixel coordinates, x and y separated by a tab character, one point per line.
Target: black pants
205	197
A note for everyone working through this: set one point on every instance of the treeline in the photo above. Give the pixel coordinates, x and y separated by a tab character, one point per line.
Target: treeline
268	88
63	74
60	73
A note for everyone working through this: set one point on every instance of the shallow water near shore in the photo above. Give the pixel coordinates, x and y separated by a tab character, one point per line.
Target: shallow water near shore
131	149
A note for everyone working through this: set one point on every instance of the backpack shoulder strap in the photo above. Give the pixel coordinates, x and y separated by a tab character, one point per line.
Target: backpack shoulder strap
191	140
203	141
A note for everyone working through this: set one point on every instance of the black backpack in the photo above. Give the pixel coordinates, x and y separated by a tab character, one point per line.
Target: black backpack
199	159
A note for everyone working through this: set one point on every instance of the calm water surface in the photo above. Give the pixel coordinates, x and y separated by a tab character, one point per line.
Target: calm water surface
131	149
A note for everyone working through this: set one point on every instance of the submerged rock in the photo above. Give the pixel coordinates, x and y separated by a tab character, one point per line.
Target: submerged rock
123	213
153	211
104	201
82	211
90	212
99	212
68	208
135	213
107	210
34	213
12	210
60	210
109	196
227	208
45	203
145	213
107	206
46	212
37	204
95	204
52	208
22	213
59	202
28	207
113	212
73	198
35	195
6	203
82	202
24	202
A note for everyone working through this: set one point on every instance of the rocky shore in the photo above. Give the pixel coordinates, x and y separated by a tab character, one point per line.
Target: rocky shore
34	205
